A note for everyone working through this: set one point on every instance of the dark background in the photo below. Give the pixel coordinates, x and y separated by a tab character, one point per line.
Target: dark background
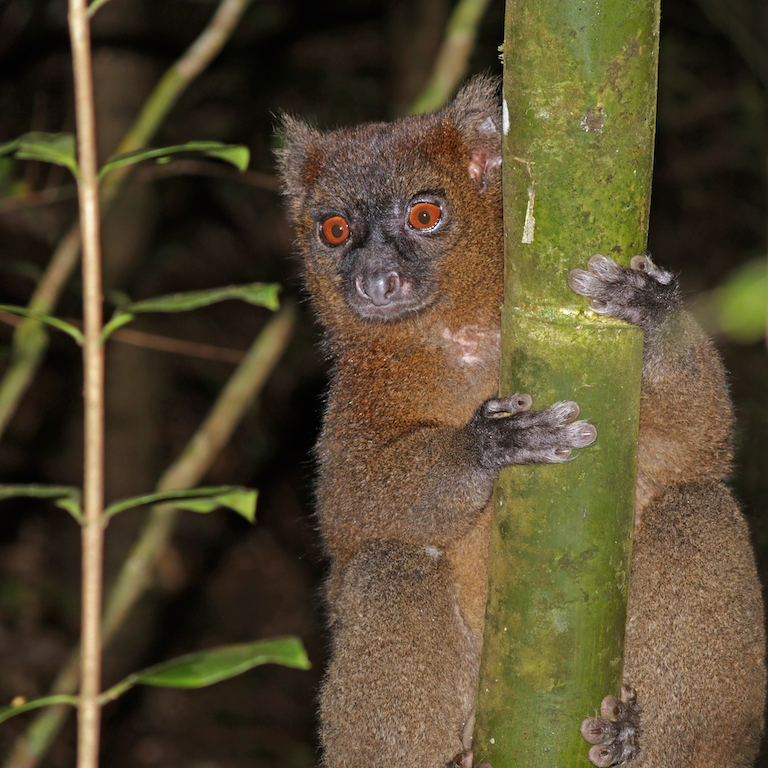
224	580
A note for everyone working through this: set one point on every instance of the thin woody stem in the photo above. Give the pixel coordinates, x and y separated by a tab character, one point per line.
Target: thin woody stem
89	709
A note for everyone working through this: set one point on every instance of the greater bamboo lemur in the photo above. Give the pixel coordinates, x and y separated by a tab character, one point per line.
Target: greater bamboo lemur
399	226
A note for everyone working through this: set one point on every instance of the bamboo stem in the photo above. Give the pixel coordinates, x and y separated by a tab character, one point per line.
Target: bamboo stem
579	116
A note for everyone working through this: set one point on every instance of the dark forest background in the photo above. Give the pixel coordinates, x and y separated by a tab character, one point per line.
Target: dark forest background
199	225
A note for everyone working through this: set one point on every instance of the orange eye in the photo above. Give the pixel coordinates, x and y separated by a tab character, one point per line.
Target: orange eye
424	215
335	230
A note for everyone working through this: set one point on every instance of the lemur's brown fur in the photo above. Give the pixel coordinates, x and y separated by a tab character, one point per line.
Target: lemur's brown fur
413	438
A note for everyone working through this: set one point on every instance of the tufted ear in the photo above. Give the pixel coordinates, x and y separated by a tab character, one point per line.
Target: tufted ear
476	111
300	145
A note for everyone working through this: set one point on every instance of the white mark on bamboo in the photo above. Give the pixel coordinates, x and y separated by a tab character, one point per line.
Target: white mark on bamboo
530	221
529	225
505	116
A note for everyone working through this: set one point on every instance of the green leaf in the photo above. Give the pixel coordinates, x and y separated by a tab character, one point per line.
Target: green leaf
75	333
66	497
6	712
57	148
235	154
197	670
742	302
241	500
259	294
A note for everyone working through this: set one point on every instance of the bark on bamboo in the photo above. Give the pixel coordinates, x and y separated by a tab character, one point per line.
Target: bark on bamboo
580	98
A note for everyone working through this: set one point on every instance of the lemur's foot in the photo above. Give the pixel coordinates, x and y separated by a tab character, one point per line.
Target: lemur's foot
643	294
615	732
464	760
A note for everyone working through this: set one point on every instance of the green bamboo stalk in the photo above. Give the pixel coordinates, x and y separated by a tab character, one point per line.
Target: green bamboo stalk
30	338
580	96
138	568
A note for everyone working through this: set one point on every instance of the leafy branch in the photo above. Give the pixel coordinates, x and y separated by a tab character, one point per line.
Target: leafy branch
234	497
30	339
138	568
260	294
193	670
